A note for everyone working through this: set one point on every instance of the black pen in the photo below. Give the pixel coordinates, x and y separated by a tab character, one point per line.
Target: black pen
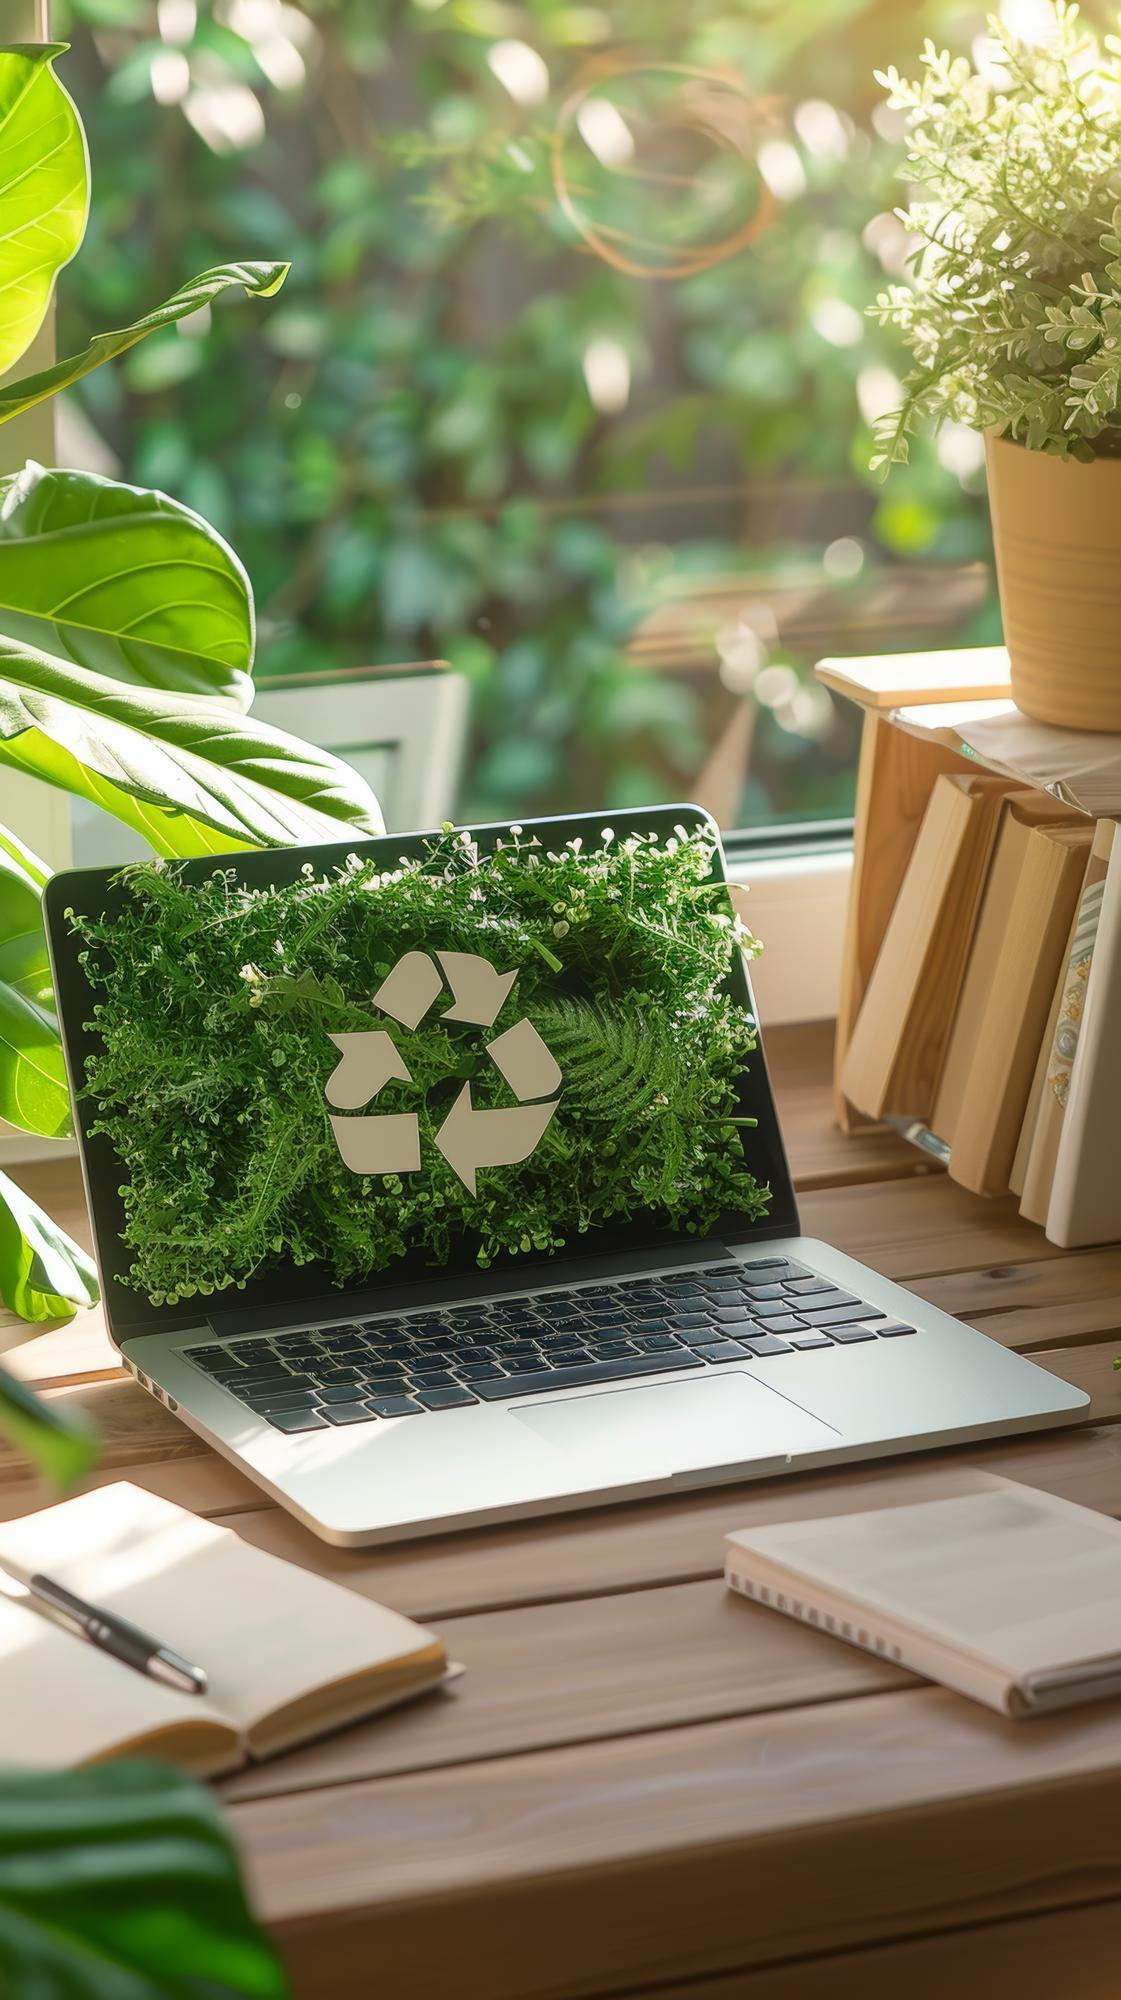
113	1634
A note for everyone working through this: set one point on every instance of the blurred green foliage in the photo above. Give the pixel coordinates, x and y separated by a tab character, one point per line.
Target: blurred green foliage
405	450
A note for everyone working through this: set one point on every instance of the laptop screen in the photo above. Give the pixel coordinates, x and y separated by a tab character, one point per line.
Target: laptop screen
329	1072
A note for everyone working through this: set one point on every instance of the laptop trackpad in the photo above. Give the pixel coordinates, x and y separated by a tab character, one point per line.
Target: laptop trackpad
677	1426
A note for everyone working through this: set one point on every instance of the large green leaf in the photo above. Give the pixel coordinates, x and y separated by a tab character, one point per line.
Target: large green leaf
126	582
259	280
61	1443
24	961
122	1883
33	1091
189	774
44	190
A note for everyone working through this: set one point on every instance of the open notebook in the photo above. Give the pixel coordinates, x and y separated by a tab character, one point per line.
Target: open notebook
1008	1595
287	1654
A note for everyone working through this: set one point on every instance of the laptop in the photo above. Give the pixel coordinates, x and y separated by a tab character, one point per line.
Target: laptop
658	1343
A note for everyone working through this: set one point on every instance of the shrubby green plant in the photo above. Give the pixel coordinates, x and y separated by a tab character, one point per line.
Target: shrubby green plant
1013	313
216	1004
126	651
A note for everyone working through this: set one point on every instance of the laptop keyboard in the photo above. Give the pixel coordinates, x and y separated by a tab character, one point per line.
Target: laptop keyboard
449	1358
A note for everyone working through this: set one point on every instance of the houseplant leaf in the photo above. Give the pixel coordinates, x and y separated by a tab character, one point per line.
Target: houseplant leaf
122	1883
44	189
24	961
33	1092
61	1444
126	582
189	774
258	280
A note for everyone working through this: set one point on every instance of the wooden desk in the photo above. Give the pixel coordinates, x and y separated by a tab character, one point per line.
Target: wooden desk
646	1788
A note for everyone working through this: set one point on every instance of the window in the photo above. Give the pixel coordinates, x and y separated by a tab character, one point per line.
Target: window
570	381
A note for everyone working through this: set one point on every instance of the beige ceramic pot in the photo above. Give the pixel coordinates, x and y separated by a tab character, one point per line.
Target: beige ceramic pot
1057	531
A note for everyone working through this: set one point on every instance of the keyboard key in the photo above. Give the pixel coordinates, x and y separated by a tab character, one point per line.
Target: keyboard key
769	1309
654	1343
340	1374
431	1378
250	1380
524	1364
571	1358
757	1292
766	1264
394	1406
650	1323
349	1413
478	1371
372	1385
840	1315
806	1285
345	1393
606	1350
213	1361
298	1420
810	1340
768	1344
703	1336
682	1322
845	1334
732	1315
266	1400
591	1373
455	1398
889	1329
825	1301
723	1350
791	1324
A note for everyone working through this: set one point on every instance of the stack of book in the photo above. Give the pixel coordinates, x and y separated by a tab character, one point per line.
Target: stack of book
984	1029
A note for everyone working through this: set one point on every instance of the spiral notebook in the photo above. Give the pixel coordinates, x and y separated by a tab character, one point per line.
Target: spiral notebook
288	1655
1011	1596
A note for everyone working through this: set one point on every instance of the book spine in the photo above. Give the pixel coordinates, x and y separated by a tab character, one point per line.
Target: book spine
1085	1205
811	1614
929	1662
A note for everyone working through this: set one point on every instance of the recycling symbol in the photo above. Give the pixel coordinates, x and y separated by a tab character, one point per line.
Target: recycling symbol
389	1142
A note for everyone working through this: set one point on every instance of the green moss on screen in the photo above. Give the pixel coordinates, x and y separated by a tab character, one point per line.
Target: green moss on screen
216	1002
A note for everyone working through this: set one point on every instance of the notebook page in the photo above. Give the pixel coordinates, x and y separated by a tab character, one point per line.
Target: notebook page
65	1703
268	1634
1010	1575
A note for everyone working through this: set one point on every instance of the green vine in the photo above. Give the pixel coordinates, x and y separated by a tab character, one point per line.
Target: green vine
215	1007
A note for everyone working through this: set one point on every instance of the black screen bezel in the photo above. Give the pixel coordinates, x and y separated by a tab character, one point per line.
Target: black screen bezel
293	1291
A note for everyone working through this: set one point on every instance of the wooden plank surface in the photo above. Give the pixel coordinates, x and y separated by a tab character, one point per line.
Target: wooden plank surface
643	1787
735	1843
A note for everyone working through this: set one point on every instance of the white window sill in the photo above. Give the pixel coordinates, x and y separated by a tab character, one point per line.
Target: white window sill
796	908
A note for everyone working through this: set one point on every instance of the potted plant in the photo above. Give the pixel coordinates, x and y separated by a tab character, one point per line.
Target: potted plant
126	650
1013	316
